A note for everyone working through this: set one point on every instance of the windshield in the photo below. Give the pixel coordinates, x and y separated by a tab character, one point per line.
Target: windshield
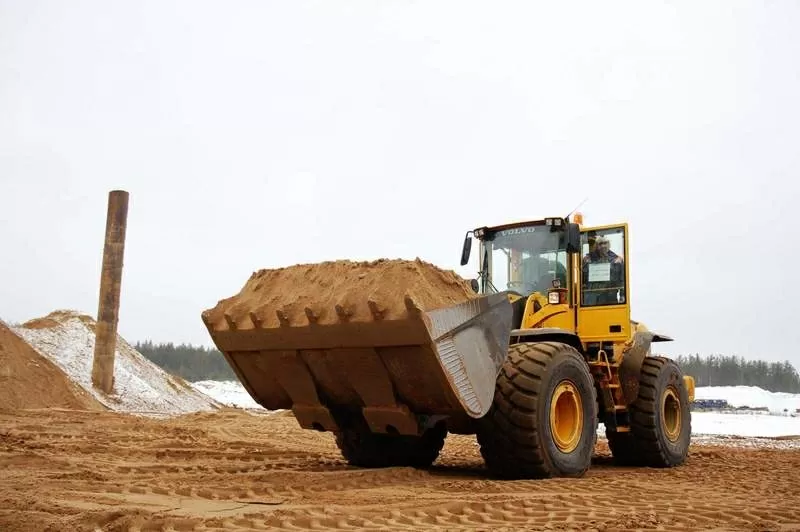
524	259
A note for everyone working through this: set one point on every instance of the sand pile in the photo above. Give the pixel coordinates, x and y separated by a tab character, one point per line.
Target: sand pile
67	339
348	284
29	380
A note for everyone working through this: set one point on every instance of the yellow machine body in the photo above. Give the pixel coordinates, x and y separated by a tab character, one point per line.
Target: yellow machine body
615	344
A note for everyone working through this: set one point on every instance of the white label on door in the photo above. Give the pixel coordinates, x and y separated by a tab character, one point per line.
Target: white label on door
600	272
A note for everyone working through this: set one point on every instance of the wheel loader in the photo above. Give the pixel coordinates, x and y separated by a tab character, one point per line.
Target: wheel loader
537	353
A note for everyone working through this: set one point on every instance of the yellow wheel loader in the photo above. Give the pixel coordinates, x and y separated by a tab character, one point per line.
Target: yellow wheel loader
530	356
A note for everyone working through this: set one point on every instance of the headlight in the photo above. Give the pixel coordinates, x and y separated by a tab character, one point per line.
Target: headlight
553	298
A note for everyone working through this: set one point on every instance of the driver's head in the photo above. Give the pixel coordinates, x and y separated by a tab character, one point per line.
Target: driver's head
602	245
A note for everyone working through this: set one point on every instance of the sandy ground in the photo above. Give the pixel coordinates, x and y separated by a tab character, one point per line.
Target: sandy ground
229	470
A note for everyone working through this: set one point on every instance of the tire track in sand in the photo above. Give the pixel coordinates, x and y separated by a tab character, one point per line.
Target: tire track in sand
234	470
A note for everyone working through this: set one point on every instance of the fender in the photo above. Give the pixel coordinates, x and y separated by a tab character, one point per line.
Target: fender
548	334
635	351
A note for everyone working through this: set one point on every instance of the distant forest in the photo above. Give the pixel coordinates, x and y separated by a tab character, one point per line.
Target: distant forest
189	362
202	363
721	370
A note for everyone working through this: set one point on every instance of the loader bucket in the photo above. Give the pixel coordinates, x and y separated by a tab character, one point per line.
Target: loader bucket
383	350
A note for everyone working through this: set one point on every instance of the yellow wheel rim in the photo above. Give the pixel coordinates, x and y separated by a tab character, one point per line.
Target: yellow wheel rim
566	416
671	414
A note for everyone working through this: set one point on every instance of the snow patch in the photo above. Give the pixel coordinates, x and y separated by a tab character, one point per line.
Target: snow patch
747	425
229	393
67	338
753	397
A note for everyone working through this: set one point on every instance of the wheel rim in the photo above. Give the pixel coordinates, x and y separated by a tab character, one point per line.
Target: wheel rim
566	416
671	414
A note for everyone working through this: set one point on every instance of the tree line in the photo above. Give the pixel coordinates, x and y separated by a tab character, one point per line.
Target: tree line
202	363
187	361
722	370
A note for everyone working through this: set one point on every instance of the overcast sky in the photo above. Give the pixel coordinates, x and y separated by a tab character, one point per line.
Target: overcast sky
261	134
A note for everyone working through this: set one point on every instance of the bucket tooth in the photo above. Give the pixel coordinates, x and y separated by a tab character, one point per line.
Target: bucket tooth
411	305
377	311
231	323
257	322
343	313
282	317
207	321
312	316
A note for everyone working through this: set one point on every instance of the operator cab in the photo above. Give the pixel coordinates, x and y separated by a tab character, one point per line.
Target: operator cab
524	259
558	275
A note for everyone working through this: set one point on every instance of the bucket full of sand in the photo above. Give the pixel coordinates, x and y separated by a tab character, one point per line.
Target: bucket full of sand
391	339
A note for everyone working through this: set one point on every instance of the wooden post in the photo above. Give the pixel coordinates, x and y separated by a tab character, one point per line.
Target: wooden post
110	284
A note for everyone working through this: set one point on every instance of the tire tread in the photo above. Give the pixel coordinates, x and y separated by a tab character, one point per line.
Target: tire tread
509	440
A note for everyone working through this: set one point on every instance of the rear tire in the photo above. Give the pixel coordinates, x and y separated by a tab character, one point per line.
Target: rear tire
661	425
363	448
542	422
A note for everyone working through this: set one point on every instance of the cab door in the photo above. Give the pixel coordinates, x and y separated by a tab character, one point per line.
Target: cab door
603	285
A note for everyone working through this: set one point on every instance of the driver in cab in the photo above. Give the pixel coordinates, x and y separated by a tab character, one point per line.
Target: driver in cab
601	252
603	287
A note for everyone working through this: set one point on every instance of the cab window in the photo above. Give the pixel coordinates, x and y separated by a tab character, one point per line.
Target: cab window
603	267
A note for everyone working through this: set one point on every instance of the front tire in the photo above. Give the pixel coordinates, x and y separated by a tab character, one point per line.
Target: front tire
543	419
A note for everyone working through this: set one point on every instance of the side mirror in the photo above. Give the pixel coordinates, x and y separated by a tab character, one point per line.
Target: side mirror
573	238
474	284
466	249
